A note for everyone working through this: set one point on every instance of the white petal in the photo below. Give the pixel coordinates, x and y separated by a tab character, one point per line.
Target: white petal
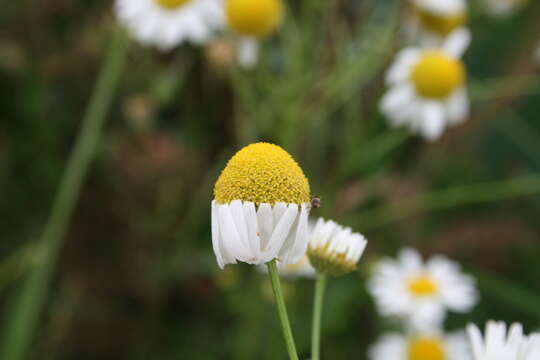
248	52
457	42
457	107
301	237
432	122
281	231
253	235
215	235
265	218
230	236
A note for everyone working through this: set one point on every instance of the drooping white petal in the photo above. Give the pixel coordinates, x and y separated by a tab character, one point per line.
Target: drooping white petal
457	107
230	235
216	235
281	231
457	42
431	123
248	52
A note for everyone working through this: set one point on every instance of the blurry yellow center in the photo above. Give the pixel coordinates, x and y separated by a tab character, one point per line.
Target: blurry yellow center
254	17
437	75
422	286
424	348
171	4
262	173
440	24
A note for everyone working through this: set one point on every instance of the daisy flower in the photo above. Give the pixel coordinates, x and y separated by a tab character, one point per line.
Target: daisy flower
432	345
252	21
500	344
427	88
260	208
334	249
431	21
419	292
503	7
168	23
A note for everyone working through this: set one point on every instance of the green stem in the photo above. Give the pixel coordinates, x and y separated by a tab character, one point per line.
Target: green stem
18	335
280	302
320	287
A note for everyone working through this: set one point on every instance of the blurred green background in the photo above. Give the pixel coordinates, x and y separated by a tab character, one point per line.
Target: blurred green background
136	277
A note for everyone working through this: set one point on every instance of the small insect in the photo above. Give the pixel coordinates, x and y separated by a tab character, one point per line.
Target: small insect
315	202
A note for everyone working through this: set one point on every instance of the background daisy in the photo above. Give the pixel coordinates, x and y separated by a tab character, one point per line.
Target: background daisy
168	23
427	88
418	292
431	345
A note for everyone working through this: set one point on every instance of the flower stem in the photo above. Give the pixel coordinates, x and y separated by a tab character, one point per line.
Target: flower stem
27	309
320	287
280	302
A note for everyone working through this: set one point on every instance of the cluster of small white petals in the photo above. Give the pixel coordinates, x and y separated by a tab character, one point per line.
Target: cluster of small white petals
500	343
337	239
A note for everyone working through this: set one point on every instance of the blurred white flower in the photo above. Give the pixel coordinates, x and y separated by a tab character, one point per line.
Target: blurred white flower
334	249
432	345
252	21
168	23
427	88
500	344
431	21
503	7
421	293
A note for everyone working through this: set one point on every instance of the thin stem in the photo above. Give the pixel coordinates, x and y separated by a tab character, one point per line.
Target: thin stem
320	287
25	317
282	310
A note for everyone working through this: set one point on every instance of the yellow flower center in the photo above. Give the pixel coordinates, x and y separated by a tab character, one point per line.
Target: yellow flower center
437	75
262	173
254	17
171	4
440	24
424	348
422	286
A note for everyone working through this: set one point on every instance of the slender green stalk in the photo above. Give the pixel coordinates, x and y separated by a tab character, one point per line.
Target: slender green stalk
280	303
320	287
18	334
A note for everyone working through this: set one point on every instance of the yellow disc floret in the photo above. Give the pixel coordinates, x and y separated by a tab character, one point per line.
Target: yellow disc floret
424	348
422	286
254	17
262	173
171	4
436	75
441	24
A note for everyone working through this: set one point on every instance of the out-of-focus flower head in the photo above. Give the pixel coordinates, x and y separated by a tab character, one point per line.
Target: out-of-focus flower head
419	292
431	21
260	208
252	21
427	90
169	23
498	343
430	345
333	249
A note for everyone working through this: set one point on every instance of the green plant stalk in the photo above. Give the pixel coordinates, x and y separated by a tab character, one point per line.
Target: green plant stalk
23	323
282	310
320	287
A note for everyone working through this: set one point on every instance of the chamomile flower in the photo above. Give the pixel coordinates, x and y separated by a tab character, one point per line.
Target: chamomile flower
500	344
431	21
260	208
432	345
168	23
427	88
252	21
503	7
334	249
421	293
